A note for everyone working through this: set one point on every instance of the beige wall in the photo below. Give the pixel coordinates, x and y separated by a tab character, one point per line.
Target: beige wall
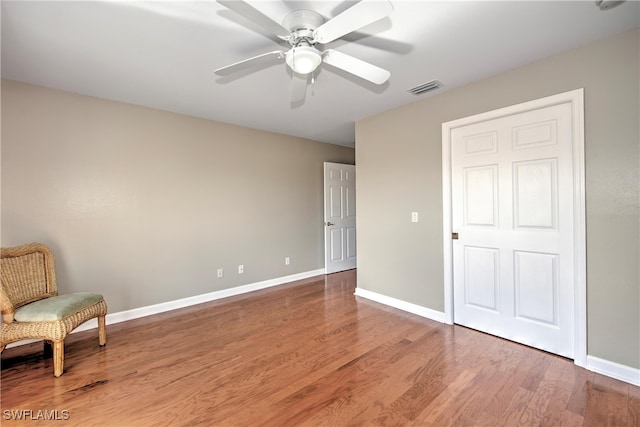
144	205
399	167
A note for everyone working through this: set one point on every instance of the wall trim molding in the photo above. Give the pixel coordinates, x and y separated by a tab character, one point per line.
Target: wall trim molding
123	316
614	370
418	310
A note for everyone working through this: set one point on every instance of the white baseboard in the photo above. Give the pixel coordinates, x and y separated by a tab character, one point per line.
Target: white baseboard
123	316
418	310
613	370
595	364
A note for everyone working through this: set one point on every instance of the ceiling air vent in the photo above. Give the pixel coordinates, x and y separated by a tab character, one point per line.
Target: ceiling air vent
608	4
425	87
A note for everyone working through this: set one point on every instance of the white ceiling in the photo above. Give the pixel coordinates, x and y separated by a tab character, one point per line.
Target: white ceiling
162	54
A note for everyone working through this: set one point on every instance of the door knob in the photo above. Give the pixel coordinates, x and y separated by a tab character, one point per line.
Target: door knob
329	224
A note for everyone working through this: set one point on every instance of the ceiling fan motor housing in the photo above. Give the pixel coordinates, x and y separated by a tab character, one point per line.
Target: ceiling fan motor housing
302	20
302	23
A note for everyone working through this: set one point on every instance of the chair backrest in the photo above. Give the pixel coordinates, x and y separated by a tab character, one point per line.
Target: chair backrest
27	273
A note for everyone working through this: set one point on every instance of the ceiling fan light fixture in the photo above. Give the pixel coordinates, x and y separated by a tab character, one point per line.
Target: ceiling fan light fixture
303	59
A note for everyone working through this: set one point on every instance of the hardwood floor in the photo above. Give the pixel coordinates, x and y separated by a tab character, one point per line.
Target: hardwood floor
305	353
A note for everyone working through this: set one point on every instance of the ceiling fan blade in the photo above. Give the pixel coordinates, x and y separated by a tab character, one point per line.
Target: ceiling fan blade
265	58
250	12
357	16
356	66
298	88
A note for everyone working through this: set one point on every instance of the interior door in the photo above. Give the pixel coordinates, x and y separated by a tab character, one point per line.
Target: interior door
512	208
339	217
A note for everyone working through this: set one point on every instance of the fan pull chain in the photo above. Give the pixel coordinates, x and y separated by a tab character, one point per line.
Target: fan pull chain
313	80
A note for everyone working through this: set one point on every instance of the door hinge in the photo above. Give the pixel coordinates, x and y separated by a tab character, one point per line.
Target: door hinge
454	236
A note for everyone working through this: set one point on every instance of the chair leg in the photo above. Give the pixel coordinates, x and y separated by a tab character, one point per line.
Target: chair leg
102	330
58	358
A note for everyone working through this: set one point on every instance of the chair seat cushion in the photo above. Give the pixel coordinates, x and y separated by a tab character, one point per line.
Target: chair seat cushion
55	308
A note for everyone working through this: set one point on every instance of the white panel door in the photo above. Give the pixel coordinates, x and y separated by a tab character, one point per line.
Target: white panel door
340	217
512	207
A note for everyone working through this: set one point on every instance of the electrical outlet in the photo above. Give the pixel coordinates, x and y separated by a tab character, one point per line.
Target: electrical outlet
414	216
240	269
219	273
287	261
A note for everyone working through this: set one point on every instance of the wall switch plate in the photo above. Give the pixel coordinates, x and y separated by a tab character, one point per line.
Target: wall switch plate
414	216
219	273
240	269
287	261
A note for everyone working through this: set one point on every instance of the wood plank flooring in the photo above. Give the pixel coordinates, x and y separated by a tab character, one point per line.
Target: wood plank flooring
305	353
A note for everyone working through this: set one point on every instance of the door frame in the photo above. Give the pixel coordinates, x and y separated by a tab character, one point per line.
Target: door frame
576	99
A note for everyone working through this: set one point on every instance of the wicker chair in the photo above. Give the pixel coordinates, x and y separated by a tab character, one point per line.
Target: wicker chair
31	306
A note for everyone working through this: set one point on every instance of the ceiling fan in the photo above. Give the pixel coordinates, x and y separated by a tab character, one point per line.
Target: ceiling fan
304	30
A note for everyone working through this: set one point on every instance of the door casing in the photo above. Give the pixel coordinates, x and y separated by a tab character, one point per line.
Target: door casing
576	99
